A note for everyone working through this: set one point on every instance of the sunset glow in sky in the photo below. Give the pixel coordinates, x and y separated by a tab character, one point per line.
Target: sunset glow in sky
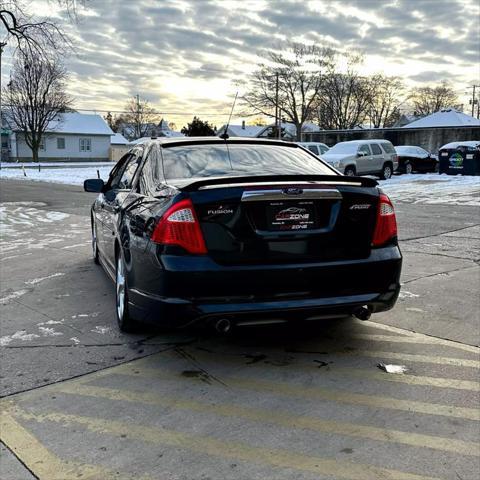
188	57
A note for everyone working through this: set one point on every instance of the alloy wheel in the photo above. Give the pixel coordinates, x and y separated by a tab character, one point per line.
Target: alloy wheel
387	172
408	168
120	284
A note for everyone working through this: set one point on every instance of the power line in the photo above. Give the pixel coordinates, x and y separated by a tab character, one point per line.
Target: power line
155	112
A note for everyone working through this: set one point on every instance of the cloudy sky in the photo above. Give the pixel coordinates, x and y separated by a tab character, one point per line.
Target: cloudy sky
189	56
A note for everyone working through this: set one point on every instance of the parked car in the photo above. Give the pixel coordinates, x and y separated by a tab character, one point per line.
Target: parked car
415	159
238	231
315	147
363	157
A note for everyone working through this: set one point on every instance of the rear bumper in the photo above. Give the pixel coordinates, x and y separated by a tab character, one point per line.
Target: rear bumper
187	290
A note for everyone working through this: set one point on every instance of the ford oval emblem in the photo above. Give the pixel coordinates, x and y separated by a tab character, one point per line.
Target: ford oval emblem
292	191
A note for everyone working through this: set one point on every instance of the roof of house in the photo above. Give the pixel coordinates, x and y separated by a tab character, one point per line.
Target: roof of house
308	127
241	131
79	123
289	130
447	117
118	139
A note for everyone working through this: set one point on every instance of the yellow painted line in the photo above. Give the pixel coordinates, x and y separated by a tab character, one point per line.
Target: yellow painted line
319	393
43	463
420	340
425	338
436	382
409	357
277	417
227	449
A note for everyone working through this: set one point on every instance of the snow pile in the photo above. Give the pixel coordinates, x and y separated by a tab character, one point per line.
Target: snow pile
69	176
433	189
35	165
423	189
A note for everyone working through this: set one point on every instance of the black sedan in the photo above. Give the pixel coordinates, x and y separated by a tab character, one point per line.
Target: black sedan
415	159
236	232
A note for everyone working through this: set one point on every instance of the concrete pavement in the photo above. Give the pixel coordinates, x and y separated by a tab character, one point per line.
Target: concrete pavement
264	403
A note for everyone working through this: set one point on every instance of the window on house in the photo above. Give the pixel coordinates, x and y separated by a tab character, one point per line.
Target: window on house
60	143
85	145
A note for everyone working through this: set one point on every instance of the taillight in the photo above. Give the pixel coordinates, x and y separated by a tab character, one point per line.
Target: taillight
179	226
386	226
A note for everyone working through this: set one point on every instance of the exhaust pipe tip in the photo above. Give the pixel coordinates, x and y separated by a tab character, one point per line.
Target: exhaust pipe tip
223	325
363	313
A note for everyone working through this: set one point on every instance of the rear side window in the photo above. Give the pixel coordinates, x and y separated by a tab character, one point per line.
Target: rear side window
364	149
388	147
376	150
188	161
151	175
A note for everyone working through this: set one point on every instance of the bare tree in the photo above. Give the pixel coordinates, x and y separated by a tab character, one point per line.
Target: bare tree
427	100
35	96
297	72
32	34
385	100
140	116
344	97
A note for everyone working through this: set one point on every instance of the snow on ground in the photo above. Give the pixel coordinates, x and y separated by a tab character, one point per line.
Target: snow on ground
55	164
422	189
69	176
433	189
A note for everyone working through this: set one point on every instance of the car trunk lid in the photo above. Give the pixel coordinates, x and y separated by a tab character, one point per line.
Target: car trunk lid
257	221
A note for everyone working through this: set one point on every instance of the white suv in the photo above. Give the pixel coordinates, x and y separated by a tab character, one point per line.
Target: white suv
363	157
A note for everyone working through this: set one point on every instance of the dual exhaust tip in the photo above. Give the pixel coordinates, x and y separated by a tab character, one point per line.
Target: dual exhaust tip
224	325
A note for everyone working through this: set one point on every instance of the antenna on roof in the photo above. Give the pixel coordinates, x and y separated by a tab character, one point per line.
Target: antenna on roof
225	135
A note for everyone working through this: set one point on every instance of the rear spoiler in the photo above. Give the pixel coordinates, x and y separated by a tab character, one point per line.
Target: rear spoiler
193	184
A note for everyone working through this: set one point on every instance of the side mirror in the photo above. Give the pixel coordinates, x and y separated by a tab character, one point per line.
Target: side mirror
361	154
93	185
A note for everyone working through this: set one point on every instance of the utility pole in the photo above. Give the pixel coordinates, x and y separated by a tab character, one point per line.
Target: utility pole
474	100
137	118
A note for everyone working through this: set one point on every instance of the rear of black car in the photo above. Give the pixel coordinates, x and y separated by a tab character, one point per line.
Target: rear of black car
263	232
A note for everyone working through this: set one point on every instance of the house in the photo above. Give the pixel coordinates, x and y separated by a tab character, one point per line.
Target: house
163	130
242	130
447	117
70	136
118	147
149	130
288	131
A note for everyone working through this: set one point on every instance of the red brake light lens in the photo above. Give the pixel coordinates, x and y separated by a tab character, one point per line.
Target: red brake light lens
386	226
180	226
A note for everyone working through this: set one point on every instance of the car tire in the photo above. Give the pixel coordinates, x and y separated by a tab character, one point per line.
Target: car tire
96	258
408	169
125	322
387	171
350	171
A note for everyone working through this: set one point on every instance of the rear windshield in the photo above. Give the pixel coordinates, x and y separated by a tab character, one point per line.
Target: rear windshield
344	148
238	160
